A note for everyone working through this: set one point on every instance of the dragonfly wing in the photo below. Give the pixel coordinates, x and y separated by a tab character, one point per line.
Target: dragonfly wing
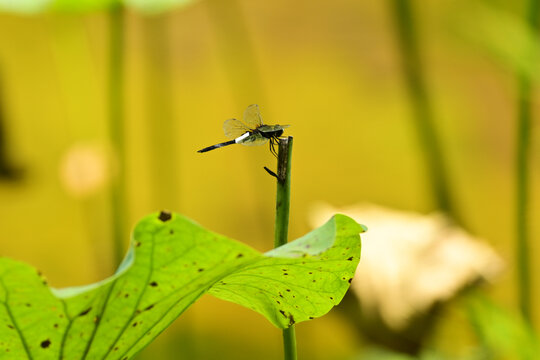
234	128
252	116
254	140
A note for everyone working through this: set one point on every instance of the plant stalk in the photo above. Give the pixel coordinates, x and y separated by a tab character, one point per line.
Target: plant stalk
421	105
524	105
283	196
116	123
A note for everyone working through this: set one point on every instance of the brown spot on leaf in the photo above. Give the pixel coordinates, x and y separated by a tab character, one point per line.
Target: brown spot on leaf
45	343
291	320
165	216
85	311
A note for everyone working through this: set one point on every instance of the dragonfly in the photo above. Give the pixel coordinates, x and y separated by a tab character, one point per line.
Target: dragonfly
251	131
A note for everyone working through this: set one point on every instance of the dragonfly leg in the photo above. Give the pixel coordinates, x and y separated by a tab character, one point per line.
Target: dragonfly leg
273	143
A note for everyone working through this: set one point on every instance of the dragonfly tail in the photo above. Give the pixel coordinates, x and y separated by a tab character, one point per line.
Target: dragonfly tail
217	146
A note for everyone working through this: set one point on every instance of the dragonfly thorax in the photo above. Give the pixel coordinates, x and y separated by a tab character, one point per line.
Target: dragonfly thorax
270	131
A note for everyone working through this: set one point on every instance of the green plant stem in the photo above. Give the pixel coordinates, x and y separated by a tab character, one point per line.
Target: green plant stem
162	132
421	104
524	105
283	197
116	123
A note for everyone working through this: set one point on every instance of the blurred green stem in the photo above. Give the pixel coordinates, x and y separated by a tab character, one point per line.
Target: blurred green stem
116	123
283	197
232	38
524	105
163	135
423	114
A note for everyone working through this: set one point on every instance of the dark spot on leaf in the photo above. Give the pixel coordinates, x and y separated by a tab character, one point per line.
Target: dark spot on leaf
55	326
10	326
351	258
311	273
239	255
134	324
331	298
311	318
28	304
314	280
288	290
280	295
85	311
45	343
283	269
285	274
171	231
283	313
200	270
116	348
153	284
137	243
149	307
96	319
350	280
278	302
291	320
308	246
126	295
165	216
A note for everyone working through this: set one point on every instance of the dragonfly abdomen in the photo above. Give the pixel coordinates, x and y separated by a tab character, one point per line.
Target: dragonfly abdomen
217	146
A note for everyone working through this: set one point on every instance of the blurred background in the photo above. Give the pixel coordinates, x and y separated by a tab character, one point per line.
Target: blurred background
416	106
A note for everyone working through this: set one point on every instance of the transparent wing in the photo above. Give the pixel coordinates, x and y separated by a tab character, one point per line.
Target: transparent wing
254	140
252	116
233	128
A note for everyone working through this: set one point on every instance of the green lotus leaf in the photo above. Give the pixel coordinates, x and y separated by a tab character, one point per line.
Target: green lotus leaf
172	261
